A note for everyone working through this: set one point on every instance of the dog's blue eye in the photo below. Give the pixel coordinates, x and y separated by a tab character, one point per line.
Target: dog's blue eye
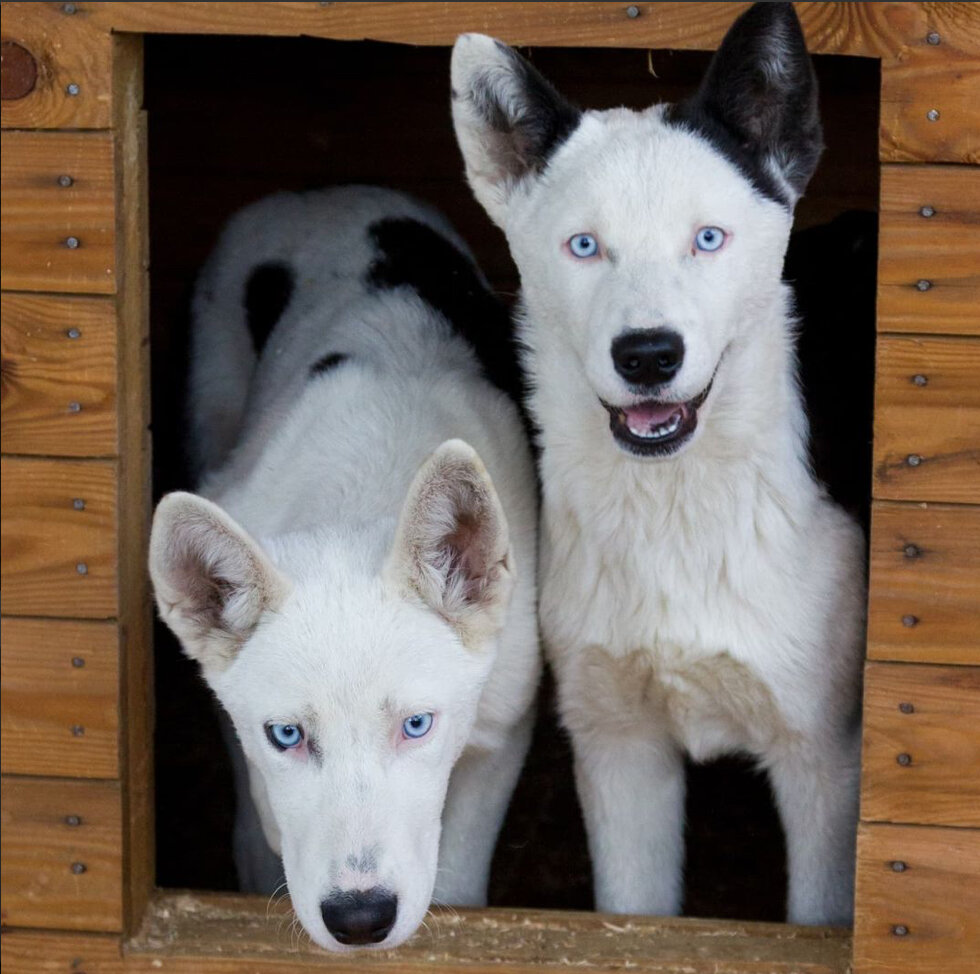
709	238
284	736
583	245
418	725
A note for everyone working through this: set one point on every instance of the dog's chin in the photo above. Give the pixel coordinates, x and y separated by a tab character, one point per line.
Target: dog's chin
655	428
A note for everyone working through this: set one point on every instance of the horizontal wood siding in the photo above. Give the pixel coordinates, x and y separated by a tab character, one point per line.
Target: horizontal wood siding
62	854
927	419
59	375
925	583
929	249
60	697
56	237
59	537
921	746
918	899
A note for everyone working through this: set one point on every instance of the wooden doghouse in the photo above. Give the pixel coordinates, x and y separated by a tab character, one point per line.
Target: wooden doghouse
77	794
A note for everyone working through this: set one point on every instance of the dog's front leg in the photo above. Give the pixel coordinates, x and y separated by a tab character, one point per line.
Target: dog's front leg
479	792
816	788
630	778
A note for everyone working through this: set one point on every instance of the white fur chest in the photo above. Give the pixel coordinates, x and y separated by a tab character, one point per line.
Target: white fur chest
682	595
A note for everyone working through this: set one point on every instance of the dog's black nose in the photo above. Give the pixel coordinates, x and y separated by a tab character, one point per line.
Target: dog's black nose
648	358
358	918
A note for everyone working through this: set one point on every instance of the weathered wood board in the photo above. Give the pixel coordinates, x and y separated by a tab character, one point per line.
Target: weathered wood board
921	747
929	249
59	375
59	537
925	583
66	68
60	701
58	228
927	419
918	899
62	854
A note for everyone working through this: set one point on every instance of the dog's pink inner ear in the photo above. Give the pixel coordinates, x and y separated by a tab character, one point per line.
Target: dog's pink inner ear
200	573
468	550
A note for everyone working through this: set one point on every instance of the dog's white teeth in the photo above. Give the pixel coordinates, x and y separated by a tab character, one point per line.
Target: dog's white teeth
657	432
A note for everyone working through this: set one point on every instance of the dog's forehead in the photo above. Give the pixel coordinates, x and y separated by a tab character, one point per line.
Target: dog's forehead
622	163
350	644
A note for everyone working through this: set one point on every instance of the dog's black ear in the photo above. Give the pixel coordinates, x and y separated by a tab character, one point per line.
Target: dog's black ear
758	102
508	118
211	579
452	548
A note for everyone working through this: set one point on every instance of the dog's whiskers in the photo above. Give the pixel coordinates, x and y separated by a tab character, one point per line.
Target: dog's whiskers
276	897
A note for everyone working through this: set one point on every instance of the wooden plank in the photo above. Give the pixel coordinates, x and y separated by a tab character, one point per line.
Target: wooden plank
135	494
57	237
45	952
59	375
941	249
62	854
921	744
925	584
36	952
918	899
59	557
927	419
60	690
917	76
67	51
237	933
924	77
831	28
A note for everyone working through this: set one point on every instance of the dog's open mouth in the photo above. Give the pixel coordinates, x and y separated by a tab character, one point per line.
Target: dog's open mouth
653	428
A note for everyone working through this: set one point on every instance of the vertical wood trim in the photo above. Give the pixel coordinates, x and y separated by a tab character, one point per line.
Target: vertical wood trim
132	312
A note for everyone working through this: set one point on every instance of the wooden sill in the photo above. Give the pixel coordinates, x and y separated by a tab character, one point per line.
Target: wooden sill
241	933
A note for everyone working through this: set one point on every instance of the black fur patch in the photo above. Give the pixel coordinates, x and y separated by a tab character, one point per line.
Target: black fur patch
327	363
758	100
411	254
268	292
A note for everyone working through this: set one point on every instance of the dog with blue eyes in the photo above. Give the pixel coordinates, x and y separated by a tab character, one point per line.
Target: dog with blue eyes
700	593
356	572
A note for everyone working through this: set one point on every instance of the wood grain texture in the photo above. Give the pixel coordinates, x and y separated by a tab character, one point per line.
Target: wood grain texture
40	887
60	698
136	698
942	249
925	608
935	898
931	714
927	419
45	370
40	216
45	538
922	77
882	30
916	75
45	952
238	933
68	50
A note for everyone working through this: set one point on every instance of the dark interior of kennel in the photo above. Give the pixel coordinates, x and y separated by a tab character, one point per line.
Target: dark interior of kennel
231	119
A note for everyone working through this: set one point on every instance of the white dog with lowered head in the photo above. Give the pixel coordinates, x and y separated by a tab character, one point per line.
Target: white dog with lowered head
356	575
700	593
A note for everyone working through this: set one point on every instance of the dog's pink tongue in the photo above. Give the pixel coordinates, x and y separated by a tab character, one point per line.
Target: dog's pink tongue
648	415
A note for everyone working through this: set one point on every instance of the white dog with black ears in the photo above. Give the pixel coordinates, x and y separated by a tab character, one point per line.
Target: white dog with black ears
356	585
700	593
